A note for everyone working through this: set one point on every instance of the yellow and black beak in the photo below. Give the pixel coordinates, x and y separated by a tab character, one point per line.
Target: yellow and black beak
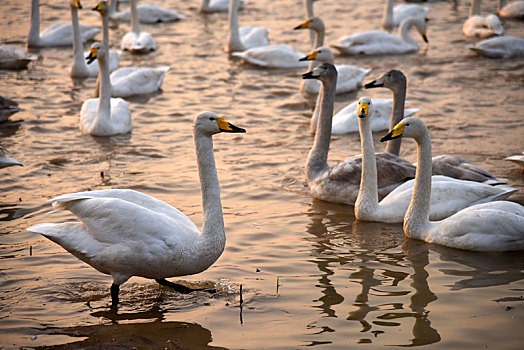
311	57
425	36
397	132
98	7
363	109
93	54
303	25
226	126
78	4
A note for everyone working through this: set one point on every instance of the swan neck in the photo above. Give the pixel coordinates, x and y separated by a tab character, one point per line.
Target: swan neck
135	25
78	53
113	7
309	13
103	112
316	113
404	28
387	16
105	30
368	191
234	43
397	114
474	9
34	31
319	37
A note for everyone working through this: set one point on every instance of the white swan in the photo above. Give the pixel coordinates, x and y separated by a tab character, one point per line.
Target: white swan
129	81
8	107
340	183
448	195
127	233
147	13
514	9
492	226
137	41
246	37
58	34
80	69
104	116
376	42
517	159
211	6
394	15
5	161
506	46
479	26
11	57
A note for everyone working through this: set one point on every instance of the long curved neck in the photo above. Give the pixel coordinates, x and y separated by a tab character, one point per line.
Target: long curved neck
368	191
387	16
416	218
105	29
78	53
316	113
474	9
135	25
397	114
319	37
234	42
113	7
34	32
103	112
403	30
205	6
309	13
317	159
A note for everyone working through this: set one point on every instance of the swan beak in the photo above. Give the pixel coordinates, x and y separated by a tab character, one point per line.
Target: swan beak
310	75
98	7
78	4
303	25
311	57
92	55
226	126
363	109
397	132
425	37
374	84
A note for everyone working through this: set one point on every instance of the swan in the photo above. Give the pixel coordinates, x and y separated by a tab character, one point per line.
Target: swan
308	4
211	6
492	226
340	183
481	27
517	159
8	107
514	9
447	165
5	161
376	42
137	41
58	34
448	195
129	81
80	69
246	37
506	46
147	13
394	15
128	233
11	57
104	116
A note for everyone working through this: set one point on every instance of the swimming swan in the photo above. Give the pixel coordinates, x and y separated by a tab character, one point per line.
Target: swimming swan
514	9
11	57
492	226
376	42
211	6
448	195
506	46
147	13
243	38
340	183
104	116
8	107
5	161
394	15
517	159
127	233
481	27
58	34
136	41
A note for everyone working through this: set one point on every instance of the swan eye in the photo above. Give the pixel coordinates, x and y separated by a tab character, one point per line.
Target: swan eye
407	124
211	118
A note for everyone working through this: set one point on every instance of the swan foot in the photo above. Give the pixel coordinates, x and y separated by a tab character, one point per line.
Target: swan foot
115	289
183	289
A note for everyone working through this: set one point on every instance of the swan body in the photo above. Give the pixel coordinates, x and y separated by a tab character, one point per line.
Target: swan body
517	159
58	34
104	116
243	38
514	9
147	13
5	161
492	226
127	233
211	6
376	42
479	26
394	15
340	183
11	57
8	107
500	47
128	81
448	195
137	41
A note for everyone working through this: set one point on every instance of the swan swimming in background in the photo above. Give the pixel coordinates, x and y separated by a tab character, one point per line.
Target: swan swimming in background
517	159
135	234
515	9
147	13
394	15
8	107
58	34
479	26
11	57
136	41
506	46
5	161
375	42
243	38
448	195
492	226
211	6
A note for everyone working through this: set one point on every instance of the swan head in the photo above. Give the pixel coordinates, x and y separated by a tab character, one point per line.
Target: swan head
211	123
97	50
314	23
324	72
320	54
411	127
364	107
75	4
393	80
102	7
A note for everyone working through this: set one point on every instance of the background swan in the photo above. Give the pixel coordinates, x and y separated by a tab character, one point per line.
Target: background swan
147	13
492	226
394	15
246	37
448	195
8	107
479	26
515	9
308	4
129	81
376	42
104	116
5	161
210	6
135	234
137	41
500	47
517	159
340	183
11	57
58	34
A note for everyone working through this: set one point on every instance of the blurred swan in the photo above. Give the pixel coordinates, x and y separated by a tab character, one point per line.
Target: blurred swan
514	9
147	13
58	34
210	6
5	161
104	116
481	27
128	233
393	16
492	226
129	81
506	46
340	183
308	4
8	107
11	57
243	38
376	42
137	41
448	195
517	159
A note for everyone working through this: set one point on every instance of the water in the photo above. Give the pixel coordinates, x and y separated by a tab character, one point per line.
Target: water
311	275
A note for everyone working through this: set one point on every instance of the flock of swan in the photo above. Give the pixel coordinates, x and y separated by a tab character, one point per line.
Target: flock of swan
441	199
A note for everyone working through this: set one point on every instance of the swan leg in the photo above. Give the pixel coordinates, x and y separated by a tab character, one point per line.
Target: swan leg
183	289
115	289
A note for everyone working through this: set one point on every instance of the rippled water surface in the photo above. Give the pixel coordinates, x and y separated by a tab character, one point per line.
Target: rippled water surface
310	274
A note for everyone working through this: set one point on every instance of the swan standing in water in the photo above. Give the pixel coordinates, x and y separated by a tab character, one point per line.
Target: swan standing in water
514	9
492	226
127	233
481	27
243	38
104	116
340	183
58	34
506	46
448	195
211	6
147	13
11	57
394	15
5	161
375	42
136	41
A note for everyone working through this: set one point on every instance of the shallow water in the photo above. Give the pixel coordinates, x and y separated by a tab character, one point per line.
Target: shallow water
311	275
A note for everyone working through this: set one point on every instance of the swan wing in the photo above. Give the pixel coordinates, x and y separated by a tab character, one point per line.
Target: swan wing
273	56
460	168
350	77
11	57
500	47
128	81
142	42
254	36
